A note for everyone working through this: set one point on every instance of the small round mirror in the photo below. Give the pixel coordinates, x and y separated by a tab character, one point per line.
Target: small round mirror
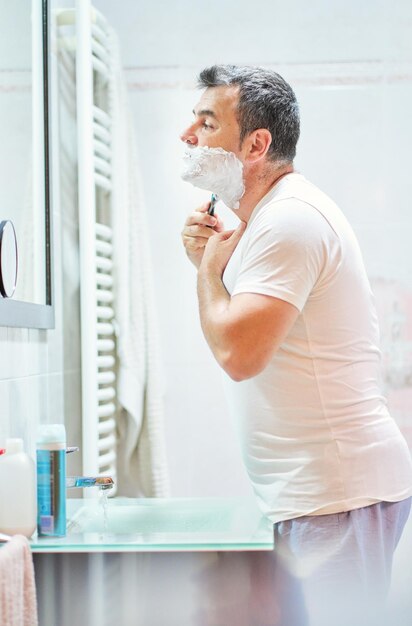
8	259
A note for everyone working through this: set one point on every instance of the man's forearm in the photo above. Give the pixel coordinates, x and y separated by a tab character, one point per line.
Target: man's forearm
214	303
219	323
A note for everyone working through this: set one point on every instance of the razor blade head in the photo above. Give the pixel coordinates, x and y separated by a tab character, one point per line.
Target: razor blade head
213	201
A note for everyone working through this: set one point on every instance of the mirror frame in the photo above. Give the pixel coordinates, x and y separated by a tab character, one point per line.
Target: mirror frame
16	313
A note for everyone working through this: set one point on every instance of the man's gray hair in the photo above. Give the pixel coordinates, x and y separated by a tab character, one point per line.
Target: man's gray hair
266	100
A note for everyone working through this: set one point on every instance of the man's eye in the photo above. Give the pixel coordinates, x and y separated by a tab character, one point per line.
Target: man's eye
206	125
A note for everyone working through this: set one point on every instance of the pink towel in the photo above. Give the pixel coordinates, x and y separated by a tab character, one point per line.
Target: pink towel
18	605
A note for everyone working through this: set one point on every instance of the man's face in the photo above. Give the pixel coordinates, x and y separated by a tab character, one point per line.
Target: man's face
215	124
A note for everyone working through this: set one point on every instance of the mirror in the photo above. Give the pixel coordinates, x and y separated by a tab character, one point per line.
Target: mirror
8	259
24	162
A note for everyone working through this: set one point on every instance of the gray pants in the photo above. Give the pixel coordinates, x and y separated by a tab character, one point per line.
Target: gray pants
335	570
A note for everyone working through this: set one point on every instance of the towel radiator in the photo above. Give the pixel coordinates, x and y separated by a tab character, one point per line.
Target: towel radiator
98	342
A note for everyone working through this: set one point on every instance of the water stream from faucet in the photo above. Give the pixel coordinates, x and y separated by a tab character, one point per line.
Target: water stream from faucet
104	503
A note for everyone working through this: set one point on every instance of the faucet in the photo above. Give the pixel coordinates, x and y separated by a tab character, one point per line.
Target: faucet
102	482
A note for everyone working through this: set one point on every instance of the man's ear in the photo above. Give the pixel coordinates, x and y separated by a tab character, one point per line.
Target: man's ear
258	144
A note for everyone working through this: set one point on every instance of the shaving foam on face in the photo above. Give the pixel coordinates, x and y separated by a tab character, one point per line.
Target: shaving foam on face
215	170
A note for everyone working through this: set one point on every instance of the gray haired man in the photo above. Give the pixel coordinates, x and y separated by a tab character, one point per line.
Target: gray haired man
286	308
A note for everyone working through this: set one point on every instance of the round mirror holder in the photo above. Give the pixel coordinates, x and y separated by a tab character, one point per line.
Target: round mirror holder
8	259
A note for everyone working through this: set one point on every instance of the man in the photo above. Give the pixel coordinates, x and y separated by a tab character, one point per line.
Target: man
286	308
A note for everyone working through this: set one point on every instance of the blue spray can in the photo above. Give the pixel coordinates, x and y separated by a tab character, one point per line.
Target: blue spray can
51	480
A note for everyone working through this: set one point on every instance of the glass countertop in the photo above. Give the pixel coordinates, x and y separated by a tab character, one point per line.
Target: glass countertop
161	525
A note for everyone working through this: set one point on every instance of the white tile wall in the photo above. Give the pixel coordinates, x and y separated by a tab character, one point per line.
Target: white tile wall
194	32
4	411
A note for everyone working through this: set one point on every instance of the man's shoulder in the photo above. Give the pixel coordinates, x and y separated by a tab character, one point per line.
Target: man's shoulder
297	186
290	211
299	205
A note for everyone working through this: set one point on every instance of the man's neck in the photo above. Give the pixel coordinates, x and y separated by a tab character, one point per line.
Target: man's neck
258	187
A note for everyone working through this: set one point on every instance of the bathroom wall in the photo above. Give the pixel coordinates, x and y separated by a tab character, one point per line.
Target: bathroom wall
40	370
350	64
351	67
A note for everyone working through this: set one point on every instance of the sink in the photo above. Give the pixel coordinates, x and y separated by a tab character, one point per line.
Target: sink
124	517
157	524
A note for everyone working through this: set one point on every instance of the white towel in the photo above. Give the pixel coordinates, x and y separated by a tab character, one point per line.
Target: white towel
18	605
142	464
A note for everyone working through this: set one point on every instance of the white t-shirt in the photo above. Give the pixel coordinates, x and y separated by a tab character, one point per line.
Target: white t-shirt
315	432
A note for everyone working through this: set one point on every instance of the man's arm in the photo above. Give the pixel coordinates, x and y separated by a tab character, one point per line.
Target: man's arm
245	331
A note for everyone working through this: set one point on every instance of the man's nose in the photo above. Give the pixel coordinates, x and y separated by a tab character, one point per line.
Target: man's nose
189	136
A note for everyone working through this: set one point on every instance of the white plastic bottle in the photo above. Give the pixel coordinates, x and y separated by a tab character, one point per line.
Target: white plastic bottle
18	509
